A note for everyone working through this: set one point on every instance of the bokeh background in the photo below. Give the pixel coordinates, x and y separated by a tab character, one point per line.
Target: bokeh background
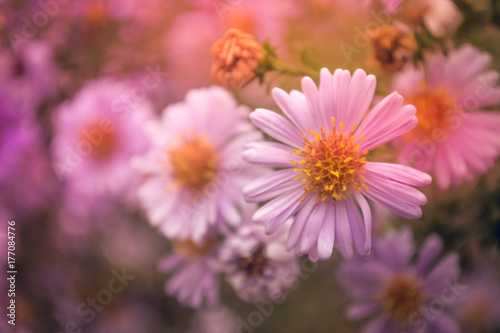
69	245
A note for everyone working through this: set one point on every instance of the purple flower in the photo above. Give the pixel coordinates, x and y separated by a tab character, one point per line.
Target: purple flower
194	171
96	134
325	176
194	266
401	295
257	265
478	309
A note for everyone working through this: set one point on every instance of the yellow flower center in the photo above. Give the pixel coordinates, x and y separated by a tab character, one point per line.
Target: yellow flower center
331	164
401	298
435	110
194	164
192	251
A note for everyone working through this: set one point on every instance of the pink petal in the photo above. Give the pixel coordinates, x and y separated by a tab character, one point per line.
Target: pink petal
269	154
300	221
343	230
277	127
310	233
271	185
294	106
399	173
326	239
361	92
275	207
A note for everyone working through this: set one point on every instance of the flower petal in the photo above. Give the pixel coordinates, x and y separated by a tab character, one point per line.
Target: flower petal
277	127
270	154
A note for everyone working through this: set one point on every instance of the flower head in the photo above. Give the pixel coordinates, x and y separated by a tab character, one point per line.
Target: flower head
326	174
237	55
393	46
92	146
397	292
257	265
194	170
194	267
453	138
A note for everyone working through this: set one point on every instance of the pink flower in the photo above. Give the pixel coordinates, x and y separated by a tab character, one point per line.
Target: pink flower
194	170
325	176
195	269
454	139
93	140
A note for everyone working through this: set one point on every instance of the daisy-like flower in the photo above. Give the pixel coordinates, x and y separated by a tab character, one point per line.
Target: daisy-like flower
453	139
325	175
194	266
92	145
194	170
257	265
403	296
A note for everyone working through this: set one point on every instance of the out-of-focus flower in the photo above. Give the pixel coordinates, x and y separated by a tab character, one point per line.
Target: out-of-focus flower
257	265
237	55
403	296
213	320
195	173
28	76
393	47
453	138
478	310
441	17
325	175
26	179
194	267
187	44
96	134
261	18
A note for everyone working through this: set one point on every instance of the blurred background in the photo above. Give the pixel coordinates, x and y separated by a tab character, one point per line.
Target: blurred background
70	244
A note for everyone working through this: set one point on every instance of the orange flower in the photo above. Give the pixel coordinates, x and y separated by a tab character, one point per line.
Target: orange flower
237	55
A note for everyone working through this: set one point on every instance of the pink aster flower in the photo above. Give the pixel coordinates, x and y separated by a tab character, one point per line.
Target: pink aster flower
194	266
325	175
96	134
257	265
454	139
402	296
194	171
